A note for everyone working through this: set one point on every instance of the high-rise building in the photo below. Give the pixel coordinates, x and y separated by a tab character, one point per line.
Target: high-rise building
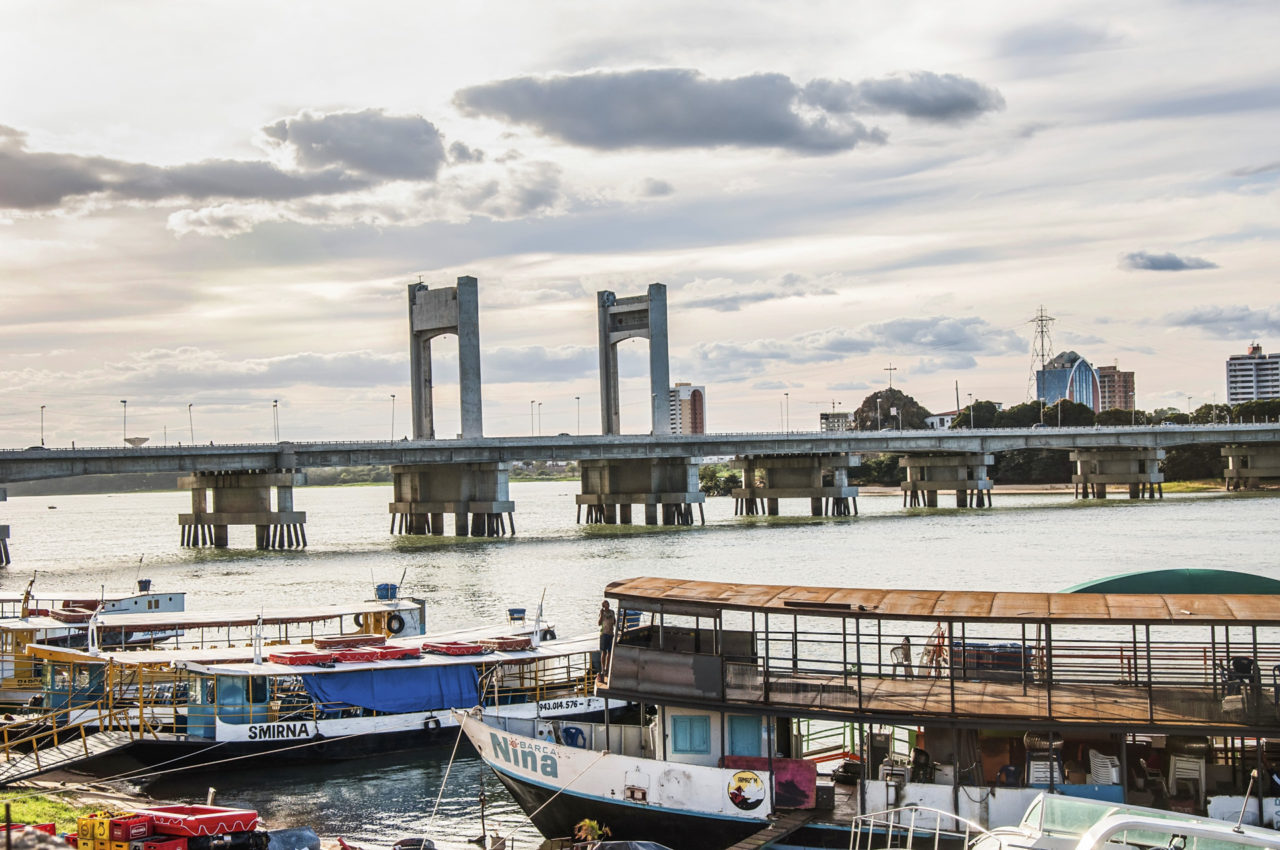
1253	375
1115	388
835	420
1069	376
688	409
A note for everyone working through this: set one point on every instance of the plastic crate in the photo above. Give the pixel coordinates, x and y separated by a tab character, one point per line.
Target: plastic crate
193	821
165	843
71	839
294	657
129	827
71	615
506	643
453	647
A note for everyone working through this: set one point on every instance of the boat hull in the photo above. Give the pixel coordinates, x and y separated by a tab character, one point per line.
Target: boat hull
677	830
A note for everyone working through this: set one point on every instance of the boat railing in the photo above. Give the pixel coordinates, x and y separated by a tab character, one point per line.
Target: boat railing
902	827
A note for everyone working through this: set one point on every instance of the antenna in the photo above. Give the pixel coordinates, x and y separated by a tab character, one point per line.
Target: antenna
1041	346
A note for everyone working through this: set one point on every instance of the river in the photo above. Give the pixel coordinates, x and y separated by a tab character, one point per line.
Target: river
1026	542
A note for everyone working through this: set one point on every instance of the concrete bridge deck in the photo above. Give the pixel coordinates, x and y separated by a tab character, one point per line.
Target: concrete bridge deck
40	463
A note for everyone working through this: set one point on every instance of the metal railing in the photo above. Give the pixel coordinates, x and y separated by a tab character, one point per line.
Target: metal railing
901	825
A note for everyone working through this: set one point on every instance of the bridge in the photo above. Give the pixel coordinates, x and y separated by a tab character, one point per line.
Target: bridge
469	477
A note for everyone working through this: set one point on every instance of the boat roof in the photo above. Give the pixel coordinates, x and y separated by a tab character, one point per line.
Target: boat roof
1187	580
240	654
707	598
238	661
88	596
160	621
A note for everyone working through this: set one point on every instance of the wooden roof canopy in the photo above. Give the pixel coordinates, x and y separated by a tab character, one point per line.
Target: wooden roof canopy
707	598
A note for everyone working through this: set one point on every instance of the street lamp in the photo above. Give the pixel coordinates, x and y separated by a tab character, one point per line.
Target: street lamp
971	425
1133	409
124	420
578	399
1188	409
191	423
788	426
42	424
539	419
532	430
275	417
393	417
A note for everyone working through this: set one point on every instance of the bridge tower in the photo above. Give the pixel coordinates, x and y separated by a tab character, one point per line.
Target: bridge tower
433	313
642	316
475	493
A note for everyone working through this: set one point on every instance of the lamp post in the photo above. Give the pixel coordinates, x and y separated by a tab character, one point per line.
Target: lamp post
971	425
788	419
578	399
1188	410
275	417
191	423
878	427
42	424
393	417
124	420
532	431
539	419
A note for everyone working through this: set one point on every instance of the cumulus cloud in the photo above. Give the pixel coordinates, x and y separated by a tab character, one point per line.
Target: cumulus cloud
653	188
928	365
1229	321
922	95
728	295
369	142
848	386
668	108
520	364
1143	261
461	153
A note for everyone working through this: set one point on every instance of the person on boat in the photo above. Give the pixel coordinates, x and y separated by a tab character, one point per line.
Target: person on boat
608	622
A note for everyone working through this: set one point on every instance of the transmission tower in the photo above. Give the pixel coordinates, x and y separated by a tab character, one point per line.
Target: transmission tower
1041	346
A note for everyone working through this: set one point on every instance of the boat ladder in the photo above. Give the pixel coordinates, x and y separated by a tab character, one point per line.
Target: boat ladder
910	827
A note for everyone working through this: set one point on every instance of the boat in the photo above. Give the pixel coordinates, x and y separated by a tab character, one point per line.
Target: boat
970	704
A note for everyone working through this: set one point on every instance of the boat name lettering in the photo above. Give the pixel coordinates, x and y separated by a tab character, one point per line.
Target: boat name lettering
534	757
272	731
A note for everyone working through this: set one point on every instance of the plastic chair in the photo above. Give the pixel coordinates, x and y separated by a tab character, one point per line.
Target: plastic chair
1105	769
573	736
900	656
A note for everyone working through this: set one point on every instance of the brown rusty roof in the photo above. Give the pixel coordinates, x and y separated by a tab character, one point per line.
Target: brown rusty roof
970	605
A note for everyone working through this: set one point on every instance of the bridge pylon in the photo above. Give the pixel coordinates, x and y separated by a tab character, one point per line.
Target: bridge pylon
477	494
666	486
243	498
965	473
643	316
1137	469
433	313
823	479
1249	465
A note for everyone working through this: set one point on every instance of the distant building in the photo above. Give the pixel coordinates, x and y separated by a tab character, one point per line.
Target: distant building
1069	376
1115	388
688	409
941	421
835	421
1253	375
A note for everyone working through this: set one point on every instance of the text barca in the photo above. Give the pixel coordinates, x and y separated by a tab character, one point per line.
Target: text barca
519	754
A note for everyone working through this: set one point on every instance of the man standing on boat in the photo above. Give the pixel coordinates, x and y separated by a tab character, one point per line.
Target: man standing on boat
608	622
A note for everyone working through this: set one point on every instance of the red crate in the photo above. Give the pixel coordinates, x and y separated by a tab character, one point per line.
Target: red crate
71	615
454	647
200	820
393	653
294	657
130	827
507	643
352	656
46	828
165	843
71	838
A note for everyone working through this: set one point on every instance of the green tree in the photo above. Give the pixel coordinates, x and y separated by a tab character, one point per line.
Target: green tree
1068	413
882	469
1032	466
1020	415
984	413
1118	416
876	411
1262	410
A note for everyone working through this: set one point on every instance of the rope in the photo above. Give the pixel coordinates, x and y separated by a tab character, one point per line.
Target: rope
445	781
511	835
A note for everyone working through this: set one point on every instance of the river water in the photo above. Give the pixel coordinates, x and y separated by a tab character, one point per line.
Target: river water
1026	542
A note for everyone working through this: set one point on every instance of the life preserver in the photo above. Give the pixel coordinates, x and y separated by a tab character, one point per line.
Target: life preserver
548	634
359	618
395	624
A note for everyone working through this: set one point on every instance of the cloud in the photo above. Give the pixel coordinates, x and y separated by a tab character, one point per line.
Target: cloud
369	142
653	188
460	153
1143	261
771	385
1053	39
1229	321
668	109
1257	169
922	95
929	365
727	295
941	333
848	386
521	364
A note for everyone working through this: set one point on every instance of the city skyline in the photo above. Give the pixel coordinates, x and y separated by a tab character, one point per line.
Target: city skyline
212	213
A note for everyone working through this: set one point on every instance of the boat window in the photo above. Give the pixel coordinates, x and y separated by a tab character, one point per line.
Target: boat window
691	734
257	689
202	690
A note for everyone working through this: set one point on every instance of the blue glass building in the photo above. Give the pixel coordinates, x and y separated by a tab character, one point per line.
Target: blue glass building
1069	376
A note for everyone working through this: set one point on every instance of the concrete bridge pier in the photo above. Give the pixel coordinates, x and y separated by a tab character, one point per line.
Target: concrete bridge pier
477	494
1137	469
966	474
821	478
243	498
4	535
666	487
1248	465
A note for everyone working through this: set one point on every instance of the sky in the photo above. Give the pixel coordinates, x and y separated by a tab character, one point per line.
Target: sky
212	210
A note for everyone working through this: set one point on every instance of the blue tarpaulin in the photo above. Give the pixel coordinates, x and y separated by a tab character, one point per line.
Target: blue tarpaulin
396	689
